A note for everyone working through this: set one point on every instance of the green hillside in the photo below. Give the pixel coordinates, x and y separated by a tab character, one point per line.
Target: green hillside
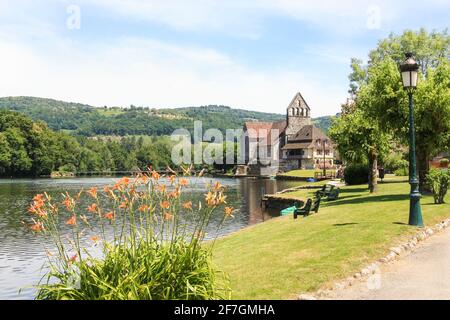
324	123
90	121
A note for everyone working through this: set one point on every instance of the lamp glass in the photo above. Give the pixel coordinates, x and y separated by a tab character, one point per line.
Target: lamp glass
406	79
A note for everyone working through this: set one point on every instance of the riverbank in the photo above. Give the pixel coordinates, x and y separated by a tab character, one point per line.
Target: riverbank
283	257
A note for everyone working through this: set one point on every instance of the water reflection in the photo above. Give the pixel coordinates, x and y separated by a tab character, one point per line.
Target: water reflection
22	254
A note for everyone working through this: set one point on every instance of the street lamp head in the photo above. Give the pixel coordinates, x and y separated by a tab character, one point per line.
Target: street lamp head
409	70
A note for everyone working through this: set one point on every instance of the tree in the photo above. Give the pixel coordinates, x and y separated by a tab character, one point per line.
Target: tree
379	91
360	140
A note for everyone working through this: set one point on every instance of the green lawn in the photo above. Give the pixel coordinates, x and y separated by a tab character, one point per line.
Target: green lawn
302	173
282	257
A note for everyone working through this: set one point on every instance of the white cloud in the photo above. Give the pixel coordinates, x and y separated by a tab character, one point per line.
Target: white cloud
246	17
35	59
151	73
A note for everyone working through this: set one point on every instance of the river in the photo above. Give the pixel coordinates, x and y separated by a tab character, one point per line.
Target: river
22	254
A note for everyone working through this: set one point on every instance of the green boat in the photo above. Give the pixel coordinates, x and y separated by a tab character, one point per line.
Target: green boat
288	211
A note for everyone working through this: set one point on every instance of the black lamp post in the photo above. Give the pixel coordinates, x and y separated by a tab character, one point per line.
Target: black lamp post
409	70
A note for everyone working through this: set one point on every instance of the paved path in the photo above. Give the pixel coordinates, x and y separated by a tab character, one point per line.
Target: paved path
423	274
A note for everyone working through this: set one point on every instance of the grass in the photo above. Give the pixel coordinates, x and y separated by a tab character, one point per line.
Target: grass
281	258
302	173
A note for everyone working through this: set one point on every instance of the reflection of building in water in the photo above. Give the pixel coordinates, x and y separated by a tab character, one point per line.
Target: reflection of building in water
252	191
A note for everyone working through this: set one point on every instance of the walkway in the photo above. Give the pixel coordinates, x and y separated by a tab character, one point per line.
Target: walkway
423	274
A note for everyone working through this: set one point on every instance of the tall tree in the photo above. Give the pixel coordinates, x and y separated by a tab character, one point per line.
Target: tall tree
379	91
359	139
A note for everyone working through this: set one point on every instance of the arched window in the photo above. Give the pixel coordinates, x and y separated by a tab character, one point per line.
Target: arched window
297	111
291	112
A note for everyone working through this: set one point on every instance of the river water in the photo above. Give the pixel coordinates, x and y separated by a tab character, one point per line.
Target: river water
22	254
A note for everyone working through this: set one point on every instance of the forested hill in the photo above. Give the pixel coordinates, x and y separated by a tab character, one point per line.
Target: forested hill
90	121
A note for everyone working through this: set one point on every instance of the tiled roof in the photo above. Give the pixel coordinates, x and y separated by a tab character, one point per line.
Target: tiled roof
263	130
308	133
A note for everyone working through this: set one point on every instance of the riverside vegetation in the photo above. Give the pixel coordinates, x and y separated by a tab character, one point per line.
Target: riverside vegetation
29	148
156	250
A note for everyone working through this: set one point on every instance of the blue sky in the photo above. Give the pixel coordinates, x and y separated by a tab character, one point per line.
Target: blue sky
248	54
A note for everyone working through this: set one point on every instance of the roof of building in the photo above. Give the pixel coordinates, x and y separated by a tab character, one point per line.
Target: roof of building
298	97
263	130
308	133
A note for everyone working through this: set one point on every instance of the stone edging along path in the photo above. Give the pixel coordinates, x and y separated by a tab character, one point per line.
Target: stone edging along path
394	254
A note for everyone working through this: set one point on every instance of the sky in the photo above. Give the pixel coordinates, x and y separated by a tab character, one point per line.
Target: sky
245	54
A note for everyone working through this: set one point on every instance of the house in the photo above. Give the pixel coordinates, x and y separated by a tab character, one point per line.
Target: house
294	143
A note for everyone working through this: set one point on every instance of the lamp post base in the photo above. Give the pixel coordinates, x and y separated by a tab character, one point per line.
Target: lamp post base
415	210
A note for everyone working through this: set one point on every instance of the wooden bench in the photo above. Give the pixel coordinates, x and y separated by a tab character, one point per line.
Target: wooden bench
304	211
326	189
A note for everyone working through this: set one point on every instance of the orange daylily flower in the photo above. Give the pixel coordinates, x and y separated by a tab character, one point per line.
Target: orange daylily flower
92	208
38	203
210	199
165	204
72	221
217	186
174	194
143	208
41	213
143	178
221	198
94	238
124	204
93	192
183	182
109	215
187	205
73	258
155	175
168	216
32	209
37	227
68	202
228	211
38	197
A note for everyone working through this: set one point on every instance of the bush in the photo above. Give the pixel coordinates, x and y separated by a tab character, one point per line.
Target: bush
402	172
155	248
356	174
438	180
395	161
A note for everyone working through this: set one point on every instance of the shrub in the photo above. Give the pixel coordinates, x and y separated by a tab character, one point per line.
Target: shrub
356	174
402	172
154	249
438	180
395	161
